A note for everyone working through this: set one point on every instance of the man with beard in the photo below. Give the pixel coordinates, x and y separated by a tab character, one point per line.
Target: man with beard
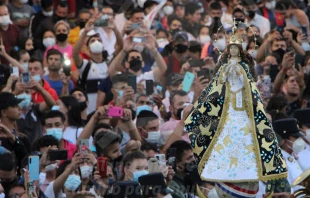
58	81
192	16
8	170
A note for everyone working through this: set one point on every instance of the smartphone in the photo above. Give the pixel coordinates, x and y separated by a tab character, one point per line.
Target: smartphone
31	189
161	160
273	72
158	89
154	165
15	71
115	112
57	155
171	160
25	77
101	23
102	163
266	86
304	30
280	29
34	167
188	81
135	26
196	62
206	73
83	145
138	39
149	87
67	67
132	82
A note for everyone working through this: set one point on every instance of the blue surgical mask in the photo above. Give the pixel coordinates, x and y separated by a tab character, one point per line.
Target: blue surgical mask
111	181
25	66
26	100
138	174
55	132
36	78
55	108
143	107
73	182
153	137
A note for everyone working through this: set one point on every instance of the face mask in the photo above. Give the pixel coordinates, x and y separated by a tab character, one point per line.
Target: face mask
61	37
96	47
138	174
308	135
48	42
25	66
135	65
55	132
2	195
305	46
299	145
280	52
72	182
253	53
36	78
220	44
168	10
83	105
153	137
209	21
26	100
143	107
239	20
24	1
204	39
111	181
82	24
49	13
50	167
86	171
180	48
55	108
216	19
162	42
5	20
244	44
270	5
250	14
173	32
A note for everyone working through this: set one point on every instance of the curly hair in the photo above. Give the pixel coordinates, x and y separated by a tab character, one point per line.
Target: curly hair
244	56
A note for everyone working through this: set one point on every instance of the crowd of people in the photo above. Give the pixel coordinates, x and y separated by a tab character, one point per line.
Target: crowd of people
113	82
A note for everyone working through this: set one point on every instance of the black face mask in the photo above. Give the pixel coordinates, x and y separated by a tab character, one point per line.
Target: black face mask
251	14
83	105
82	24
180	48
173	32
178	115
216	19
135	64
239	20
279	52
61	37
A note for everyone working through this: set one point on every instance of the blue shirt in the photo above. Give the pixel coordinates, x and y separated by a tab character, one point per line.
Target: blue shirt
57	85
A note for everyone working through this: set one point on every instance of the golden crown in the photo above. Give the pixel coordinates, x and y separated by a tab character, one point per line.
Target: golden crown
235	38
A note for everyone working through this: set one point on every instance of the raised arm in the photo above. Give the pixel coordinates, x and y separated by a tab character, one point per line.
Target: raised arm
11	60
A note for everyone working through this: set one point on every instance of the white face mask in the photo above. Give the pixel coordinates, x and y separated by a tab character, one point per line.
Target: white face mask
203	39
162	42
86	171
298	145
168	10
5	20
209	21
270	5
49	13
244	44
96	47
24	1
153	137
253	53
36	78
308	135
48	42
51	167
220	44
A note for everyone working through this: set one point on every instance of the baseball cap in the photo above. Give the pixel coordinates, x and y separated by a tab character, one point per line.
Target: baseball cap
8	100
180	35
105	138
174	79
286	127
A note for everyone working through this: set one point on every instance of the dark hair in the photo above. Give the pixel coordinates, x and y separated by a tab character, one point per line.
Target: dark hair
149	147
171	18
62	167
99	150
127	55
277	115
129	158
284	5
21	42
17	53
101	126
203	26
162	30
237	10
84	11
8	162
181	147
248	3
244	56
83	195
119	78
215	6
74	112
277	102
252	40
35	59
61	4
194	46
81	90
176	93
97	35
136	10
44	141
53	114
191	8
148	4
53	51
48	30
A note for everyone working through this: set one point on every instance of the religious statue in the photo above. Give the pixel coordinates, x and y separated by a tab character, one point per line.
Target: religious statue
303	180
231	136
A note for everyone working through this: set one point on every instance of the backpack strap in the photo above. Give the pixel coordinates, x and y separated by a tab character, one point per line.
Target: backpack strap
85	73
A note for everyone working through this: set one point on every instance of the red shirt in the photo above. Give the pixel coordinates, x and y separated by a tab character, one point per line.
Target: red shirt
9	39
37	96
71	148
175	66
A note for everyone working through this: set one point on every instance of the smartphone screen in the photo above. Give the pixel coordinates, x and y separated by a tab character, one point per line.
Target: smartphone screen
25	77
132	82
138	39
83	145
304	30
153	165
15	71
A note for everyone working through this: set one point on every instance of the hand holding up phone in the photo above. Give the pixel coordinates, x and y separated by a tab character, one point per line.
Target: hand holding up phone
101	113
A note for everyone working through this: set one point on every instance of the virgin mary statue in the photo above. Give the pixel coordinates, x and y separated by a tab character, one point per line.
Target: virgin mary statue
230	134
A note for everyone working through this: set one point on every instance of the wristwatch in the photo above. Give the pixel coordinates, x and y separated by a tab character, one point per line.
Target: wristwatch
162	108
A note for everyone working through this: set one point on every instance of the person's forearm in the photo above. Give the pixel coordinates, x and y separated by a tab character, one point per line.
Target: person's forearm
261	51
60	180
161	64
65	89
119	41
298	48
176	135
132	130
116	64
88	129
77	48
14	62
278	82
48	99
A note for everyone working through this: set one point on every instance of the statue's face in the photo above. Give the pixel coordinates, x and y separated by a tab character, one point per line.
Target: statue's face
234	50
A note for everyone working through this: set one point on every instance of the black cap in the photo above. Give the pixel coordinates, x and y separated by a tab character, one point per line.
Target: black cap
153	184
286	127
46	3
5	72
174	79
303	116
8	100
105	138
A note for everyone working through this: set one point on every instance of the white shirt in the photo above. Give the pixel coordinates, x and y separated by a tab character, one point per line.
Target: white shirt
304	159
109	43
226	20
120	21
49	192
262	23
72	133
